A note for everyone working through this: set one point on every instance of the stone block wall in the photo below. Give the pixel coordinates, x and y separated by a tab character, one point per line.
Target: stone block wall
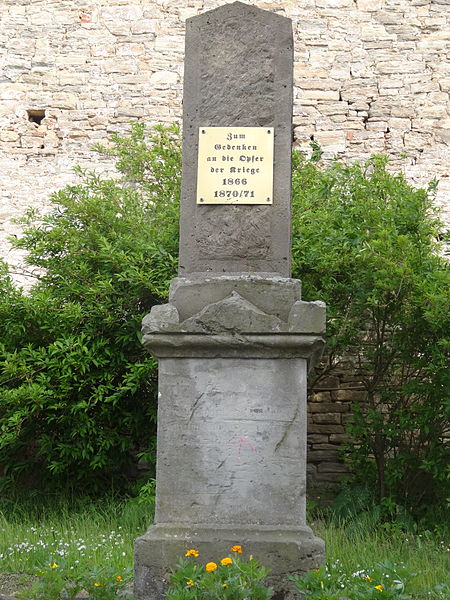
371	76
329	410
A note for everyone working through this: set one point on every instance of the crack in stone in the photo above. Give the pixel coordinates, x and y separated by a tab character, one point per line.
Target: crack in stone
195	406
288	428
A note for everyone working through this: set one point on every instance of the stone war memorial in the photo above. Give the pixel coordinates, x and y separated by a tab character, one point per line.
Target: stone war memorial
235	341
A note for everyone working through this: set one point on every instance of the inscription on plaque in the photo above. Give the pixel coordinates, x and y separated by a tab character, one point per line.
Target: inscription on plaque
235	165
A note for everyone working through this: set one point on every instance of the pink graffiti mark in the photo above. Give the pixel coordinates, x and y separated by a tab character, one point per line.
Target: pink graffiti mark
241	443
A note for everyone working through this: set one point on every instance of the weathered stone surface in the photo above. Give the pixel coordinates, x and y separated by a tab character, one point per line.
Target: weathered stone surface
309	317
271	293
333	418
318	456
232	453
258	345
332	467
231	431
229	82
327	407
328	428
317	438
160	318
339	438
349	395
231	442
233	314
293	550
328	477
369	5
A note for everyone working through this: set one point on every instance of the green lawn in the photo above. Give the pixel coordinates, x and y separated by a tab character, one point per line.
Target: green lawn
96	534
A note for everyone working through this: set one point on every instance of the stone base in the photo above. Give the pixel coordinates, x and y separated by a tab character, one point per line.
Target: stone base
233	353
281	550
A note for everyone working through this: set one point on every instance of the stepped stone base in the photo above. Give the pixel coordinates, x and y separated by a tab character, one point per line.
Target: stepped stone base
233	353
281	550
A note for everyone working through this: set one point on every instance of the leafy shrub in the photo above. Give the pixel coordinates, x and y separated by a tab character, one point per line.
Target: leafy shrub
78	391
364	241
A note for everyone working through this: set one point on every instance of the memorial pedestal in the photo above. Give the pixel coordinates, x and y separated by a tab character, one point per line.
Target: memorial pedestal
233	351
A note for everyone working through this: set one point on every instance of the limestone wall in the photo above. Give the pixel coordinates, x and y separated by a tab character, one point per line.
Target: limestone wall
370	76
329	409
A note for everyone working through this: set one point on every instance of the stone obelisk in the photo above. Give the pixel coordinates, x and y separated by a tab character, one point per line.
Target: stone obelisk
235	341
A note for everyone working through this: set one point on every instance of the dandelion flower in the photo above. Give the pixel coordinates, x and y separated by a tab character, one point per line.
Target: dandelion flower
226	561
119	578
192	552
53	565
190	582
379	588
96	584
224	585
211	566
237	549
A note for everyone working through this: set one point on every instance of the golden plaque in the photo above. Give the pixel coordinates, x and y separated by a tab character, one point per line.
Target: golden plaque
235	165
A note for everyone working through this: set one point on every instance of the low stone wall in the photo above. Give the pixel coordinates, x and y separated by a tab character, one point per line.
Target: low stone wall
329	410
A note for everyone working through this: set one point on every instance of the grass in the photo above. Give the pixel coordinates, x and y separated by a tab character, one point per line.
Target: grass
425	555
94	534
91	534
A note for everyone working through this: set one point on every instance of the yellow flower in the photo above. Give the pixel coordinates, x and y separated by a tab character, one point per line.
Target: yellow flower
53	565
211	566
224	584
192	552
379	588
119	578
97	584
368	578
237	549
189	582
226	561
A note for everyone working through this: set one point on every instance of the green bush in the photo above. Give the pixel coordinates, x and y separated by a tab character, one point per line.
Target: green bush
78	391
365	243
